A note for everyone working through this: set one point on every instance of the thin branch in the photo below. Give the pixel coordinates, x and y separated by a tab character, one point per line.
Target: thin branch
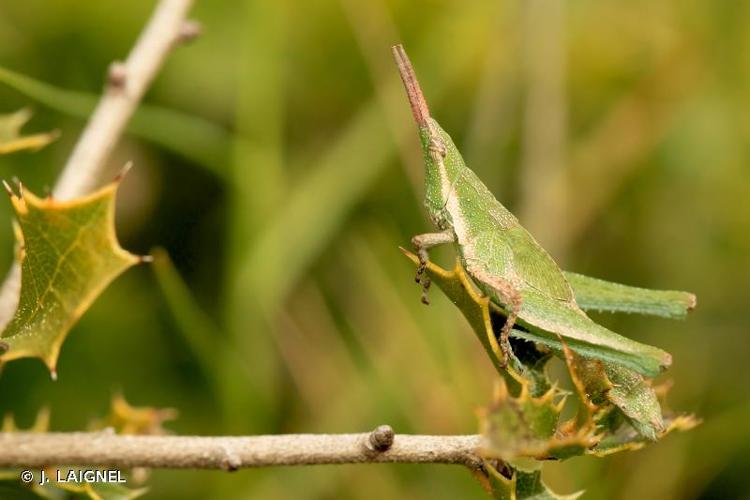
21	449
126	84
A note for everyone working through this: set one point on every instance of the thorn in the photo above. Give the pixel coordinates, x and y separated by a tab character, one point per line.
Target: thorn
123	172
15	180
381	439
53	374
117	75
8	190
145	259
667	361
419	107
189	31
692	302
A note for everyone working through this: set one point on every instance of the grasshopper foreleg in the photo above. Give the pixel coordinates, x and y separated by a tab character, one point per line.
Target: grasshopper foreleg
422	243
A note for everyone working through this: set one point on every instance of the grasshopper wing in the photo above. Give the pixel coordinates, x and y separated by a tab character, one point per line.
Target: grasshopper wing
599	295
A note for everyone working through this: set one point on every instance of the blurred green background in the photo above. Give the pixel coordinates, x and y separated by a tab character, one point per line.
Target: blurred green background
277	163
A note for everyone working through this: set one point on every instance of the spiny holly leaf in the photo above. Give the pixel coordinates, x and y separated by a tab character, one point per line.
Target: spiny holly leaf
628	439
124	418
609	394
12	487
519	427
520	485
457	286
69	254
524	426
141	420
41	422
599	384
100	491
480	312
11	139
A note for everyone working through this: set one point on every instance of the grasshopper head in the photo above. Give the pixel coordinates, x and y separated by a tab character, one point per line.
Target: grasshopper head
436	144
433	138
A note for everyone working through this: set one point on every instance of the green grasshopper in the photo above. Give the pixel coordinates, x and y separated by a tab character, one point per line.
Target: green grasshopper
508	265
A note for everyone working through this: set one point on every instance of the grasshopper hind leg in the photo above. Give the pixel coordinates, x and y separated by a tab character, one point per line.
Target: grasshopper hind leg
509	296
422	243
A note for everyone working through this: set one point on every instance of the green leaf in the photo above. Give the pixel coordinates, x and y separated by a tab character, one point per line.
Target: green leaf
69	254
522	485
11	139
599	295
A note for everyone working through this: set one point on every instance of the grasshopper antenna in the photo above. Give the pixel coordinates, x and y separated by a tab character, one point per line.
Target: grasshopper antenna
416	98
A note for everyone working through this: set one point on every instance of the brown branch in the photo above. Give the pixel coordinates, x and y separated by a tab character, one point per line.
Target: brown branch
20	449
126	84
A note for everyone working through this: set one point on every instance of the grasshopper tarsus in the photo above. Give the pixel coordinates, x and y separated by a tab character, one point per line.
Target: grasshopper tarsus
504	361
426	282
515	303
424	257
420	272
421	244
